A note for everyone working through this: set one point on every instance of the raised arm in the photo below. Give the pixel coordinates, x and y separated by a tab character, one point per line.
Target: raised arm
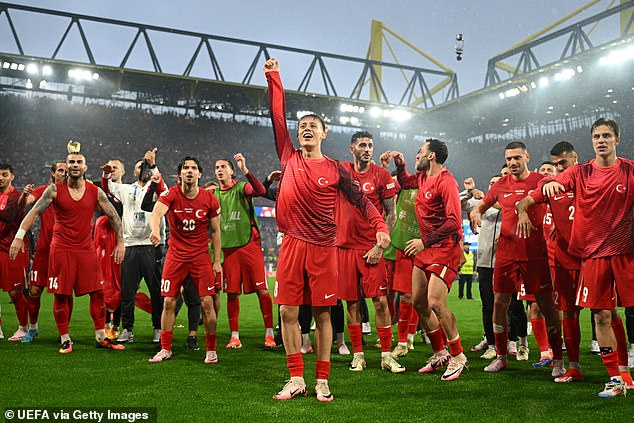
115	223
404	178
254	187
158	212
277	111
29	220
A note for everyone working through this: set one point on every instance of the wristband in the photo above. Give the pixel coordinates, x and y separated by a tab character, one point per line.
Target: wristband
20	234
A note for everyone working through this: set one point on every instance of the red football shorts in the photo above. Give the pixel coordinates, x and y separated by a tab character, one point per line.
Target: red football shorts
565	284
356	273
535	274
306	274
13	272
218	282
522	295
70	270
602	277
403	272
39	269
244	268
175	272
442	262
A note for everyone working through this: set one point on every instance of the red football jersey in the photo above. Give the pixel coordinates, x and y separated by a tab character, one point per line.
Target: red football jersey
353	230
604	199
47	222
73	218
307	193
188	221
550	244
437	206
10	217
508	192
562	213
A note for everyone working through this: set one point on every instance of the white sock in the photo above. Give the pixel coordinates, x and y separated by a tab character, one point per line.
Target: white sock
524	341
235	334
100	335
410	336
34	326
306	339
65	337
269	331
24	328
385	355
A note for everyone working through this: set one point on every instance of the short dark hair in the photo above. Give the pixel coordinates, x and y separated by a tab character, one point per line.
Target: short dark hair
192	158
438	147
6	166
548	162
315	116
515	144
607	122
360	134
504	165
562	148
54	165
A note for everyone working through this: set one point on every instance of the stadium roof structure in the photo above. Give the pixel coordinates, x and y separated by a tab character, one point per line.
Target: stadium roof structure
341	87
592	76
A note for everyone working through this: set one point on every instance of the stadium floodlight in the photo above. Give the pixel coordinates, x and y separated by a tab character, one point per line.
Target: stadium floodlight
301	113
543	81
47	70
502	96
400	115
579	69
344	120
361	109
42	84
95	76
533	85
29	84
512	92
14	66
354	120
375	111
31	69
6	65
21	67
343	107
564	75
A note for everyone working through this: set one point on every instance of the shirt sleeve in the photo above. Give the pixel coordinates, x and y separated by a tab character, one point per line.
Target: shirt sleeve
567	178
388	185
356	197
491	196
277	110
254	187
215	206
405	179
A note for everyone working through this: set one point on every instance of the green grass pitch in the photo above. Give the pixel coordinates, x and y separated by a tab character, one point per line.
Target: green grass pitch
241	385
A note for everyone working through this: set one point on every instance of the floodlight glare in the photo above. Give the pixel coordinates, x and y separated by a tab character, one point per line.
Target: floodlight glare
543	81
29	84
375	111
31	68
47	70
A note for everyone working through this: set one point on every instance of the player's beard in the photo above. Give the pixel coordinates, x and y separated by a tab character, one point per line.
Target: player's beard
423	166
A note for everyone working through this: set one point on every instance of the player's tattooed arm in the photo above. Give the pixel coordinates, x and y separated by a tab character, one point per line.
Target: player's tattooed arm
115	221
109	210
390	212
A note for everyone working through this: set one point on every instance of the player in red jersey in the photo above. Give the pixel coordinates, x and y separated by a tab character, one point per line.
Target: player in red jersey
190	210
565	269
39	269
360	261
519	259
307	266
437	253
73	261
602	236
13	272
243	260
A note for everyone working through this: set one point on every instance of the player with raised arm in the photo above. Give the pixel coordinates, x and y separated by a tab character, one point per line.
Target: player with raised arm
307	266
437	253
39	268
241	245
519	259
73	262
360	261
13	272
190	210
602	236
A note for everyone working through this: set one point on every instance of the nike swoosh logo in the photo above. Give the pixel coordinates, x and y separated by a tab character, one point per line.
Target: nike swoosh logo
101	283
558	198
209	289
327	296
16	284
259	283
383	288
508	195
